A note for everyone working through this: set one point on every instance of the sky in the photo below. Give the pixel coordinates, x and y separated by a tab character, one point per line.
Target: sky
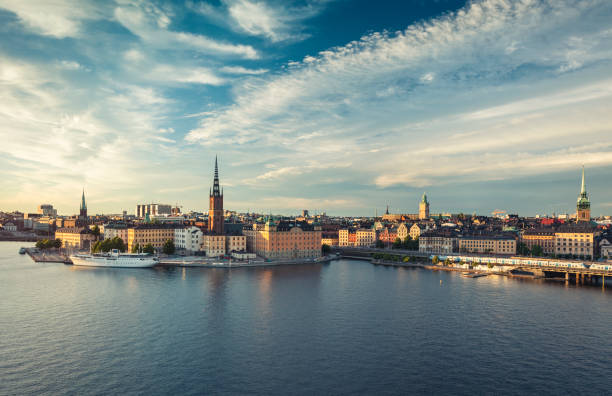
334	106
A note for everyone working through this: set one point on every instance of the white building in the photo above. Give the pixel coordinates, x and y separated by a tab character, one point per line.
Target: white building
189	238
10	227
365	237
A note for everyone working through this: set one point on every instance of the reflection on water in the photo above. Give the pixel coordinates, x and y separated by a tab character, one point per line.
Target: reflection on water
346	327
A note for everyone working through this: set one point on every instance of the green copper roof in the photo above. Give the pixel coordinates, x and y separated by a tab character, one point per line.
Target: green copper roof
424	199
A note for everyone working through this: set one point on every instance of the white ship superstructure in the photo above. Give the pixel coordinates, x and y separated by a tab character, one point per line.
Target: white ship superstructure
115	259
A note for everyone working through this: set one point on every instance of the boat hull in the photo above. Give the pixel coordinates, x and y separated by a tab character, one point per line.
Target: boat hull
122	262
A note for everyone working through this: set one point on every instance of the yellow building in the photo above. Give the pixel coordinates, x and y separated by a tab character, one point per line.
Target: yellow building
285	240
235	243
424	208
79	238
154	234
329	241
415	231
576	241
488	244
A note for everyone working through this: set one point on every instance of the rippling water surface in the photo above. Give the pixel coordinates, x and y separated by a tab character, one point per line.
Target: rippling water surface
342	328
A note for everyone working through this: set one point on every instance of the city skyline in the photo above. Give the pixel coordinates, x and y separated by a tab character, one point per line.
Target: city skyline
483	106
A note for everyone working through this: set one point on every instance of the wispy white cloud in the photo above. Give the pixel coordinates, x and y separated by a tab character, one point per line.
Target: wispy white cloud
492	73
274	21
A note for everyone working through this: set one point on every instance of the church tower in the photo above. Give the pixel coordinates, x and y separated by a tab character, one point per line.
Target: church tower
424	208
583	206
215	208
83	208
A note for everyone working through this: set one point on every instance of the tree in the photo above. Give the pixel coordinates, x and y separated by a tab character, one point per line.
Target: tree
148	248
109	244
406	259
168	247
397	244
57	243
537	250
522	249
435	260
325	248
135	248
380	244
96	230
447	262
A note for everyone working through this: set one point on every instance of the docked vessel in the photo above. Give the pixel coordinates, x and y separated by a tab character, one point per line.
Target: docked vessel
114	259
22	250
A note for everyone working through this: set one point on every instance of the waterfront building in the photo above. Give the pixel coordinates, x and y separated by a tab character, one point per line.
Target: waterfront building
491	244
284	240
576	240
583	205
343	237
154	234
438	242
330	240
47	210
235	243
213	245
542	238
79	238
387	234
215	210
424	208
10	227
153	209
605	249
188	239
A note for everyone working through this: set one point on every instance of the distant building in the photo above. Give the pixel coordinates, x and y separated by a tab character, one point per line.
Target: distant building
9	227
492	244
113	230
576	240
415	231
542	238
583	205
154	234
79	238
188	239
284	240
424	208
438	242
47	210
365	237
153	209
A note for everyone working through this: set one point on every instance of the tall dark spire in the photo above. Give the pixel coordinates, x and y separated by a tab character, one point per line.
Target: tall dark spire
216	191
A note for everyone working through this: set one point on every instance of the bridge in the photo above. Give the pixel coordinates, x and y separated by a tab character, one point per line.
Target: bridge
570	270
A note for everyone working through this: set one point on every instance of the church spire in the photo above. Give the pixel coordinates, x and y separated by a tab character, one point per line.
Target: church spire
583	189
83	205
216	192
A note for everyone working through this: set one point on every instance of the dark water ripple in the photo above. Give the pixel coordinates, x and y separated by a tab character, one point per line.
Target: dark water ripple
343	328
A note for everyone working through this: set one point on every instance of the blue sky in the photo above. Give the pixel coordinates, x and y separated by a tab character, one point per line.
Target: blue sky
338	106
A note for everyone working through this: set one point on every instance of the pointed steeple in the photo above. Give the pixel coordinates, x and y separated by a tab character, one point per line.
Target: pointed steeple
583	189
83	205
216	192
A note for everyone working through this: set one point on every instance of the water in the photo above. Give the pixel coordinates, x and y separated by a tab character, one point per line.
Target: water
341	328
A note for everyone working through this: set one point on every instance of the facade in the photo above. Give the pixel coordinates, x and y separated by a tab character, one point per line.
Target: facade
153	209
543	238
403	231
387	235
215	209
583	205
438	242
213	245
284	240
9	227
329	241
605	249
79	238
343	237
488	244
188	239
424	208
154	234
235	243
47	210
365	237
576	241
116	230
416	230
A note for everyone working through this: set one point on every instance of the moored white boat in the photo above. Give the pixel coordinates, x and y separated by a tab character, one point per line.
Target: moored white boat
114	259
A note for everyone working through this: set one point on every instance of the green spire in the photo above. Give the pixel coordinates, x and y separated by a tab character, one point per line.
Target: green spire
583	199
424	199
